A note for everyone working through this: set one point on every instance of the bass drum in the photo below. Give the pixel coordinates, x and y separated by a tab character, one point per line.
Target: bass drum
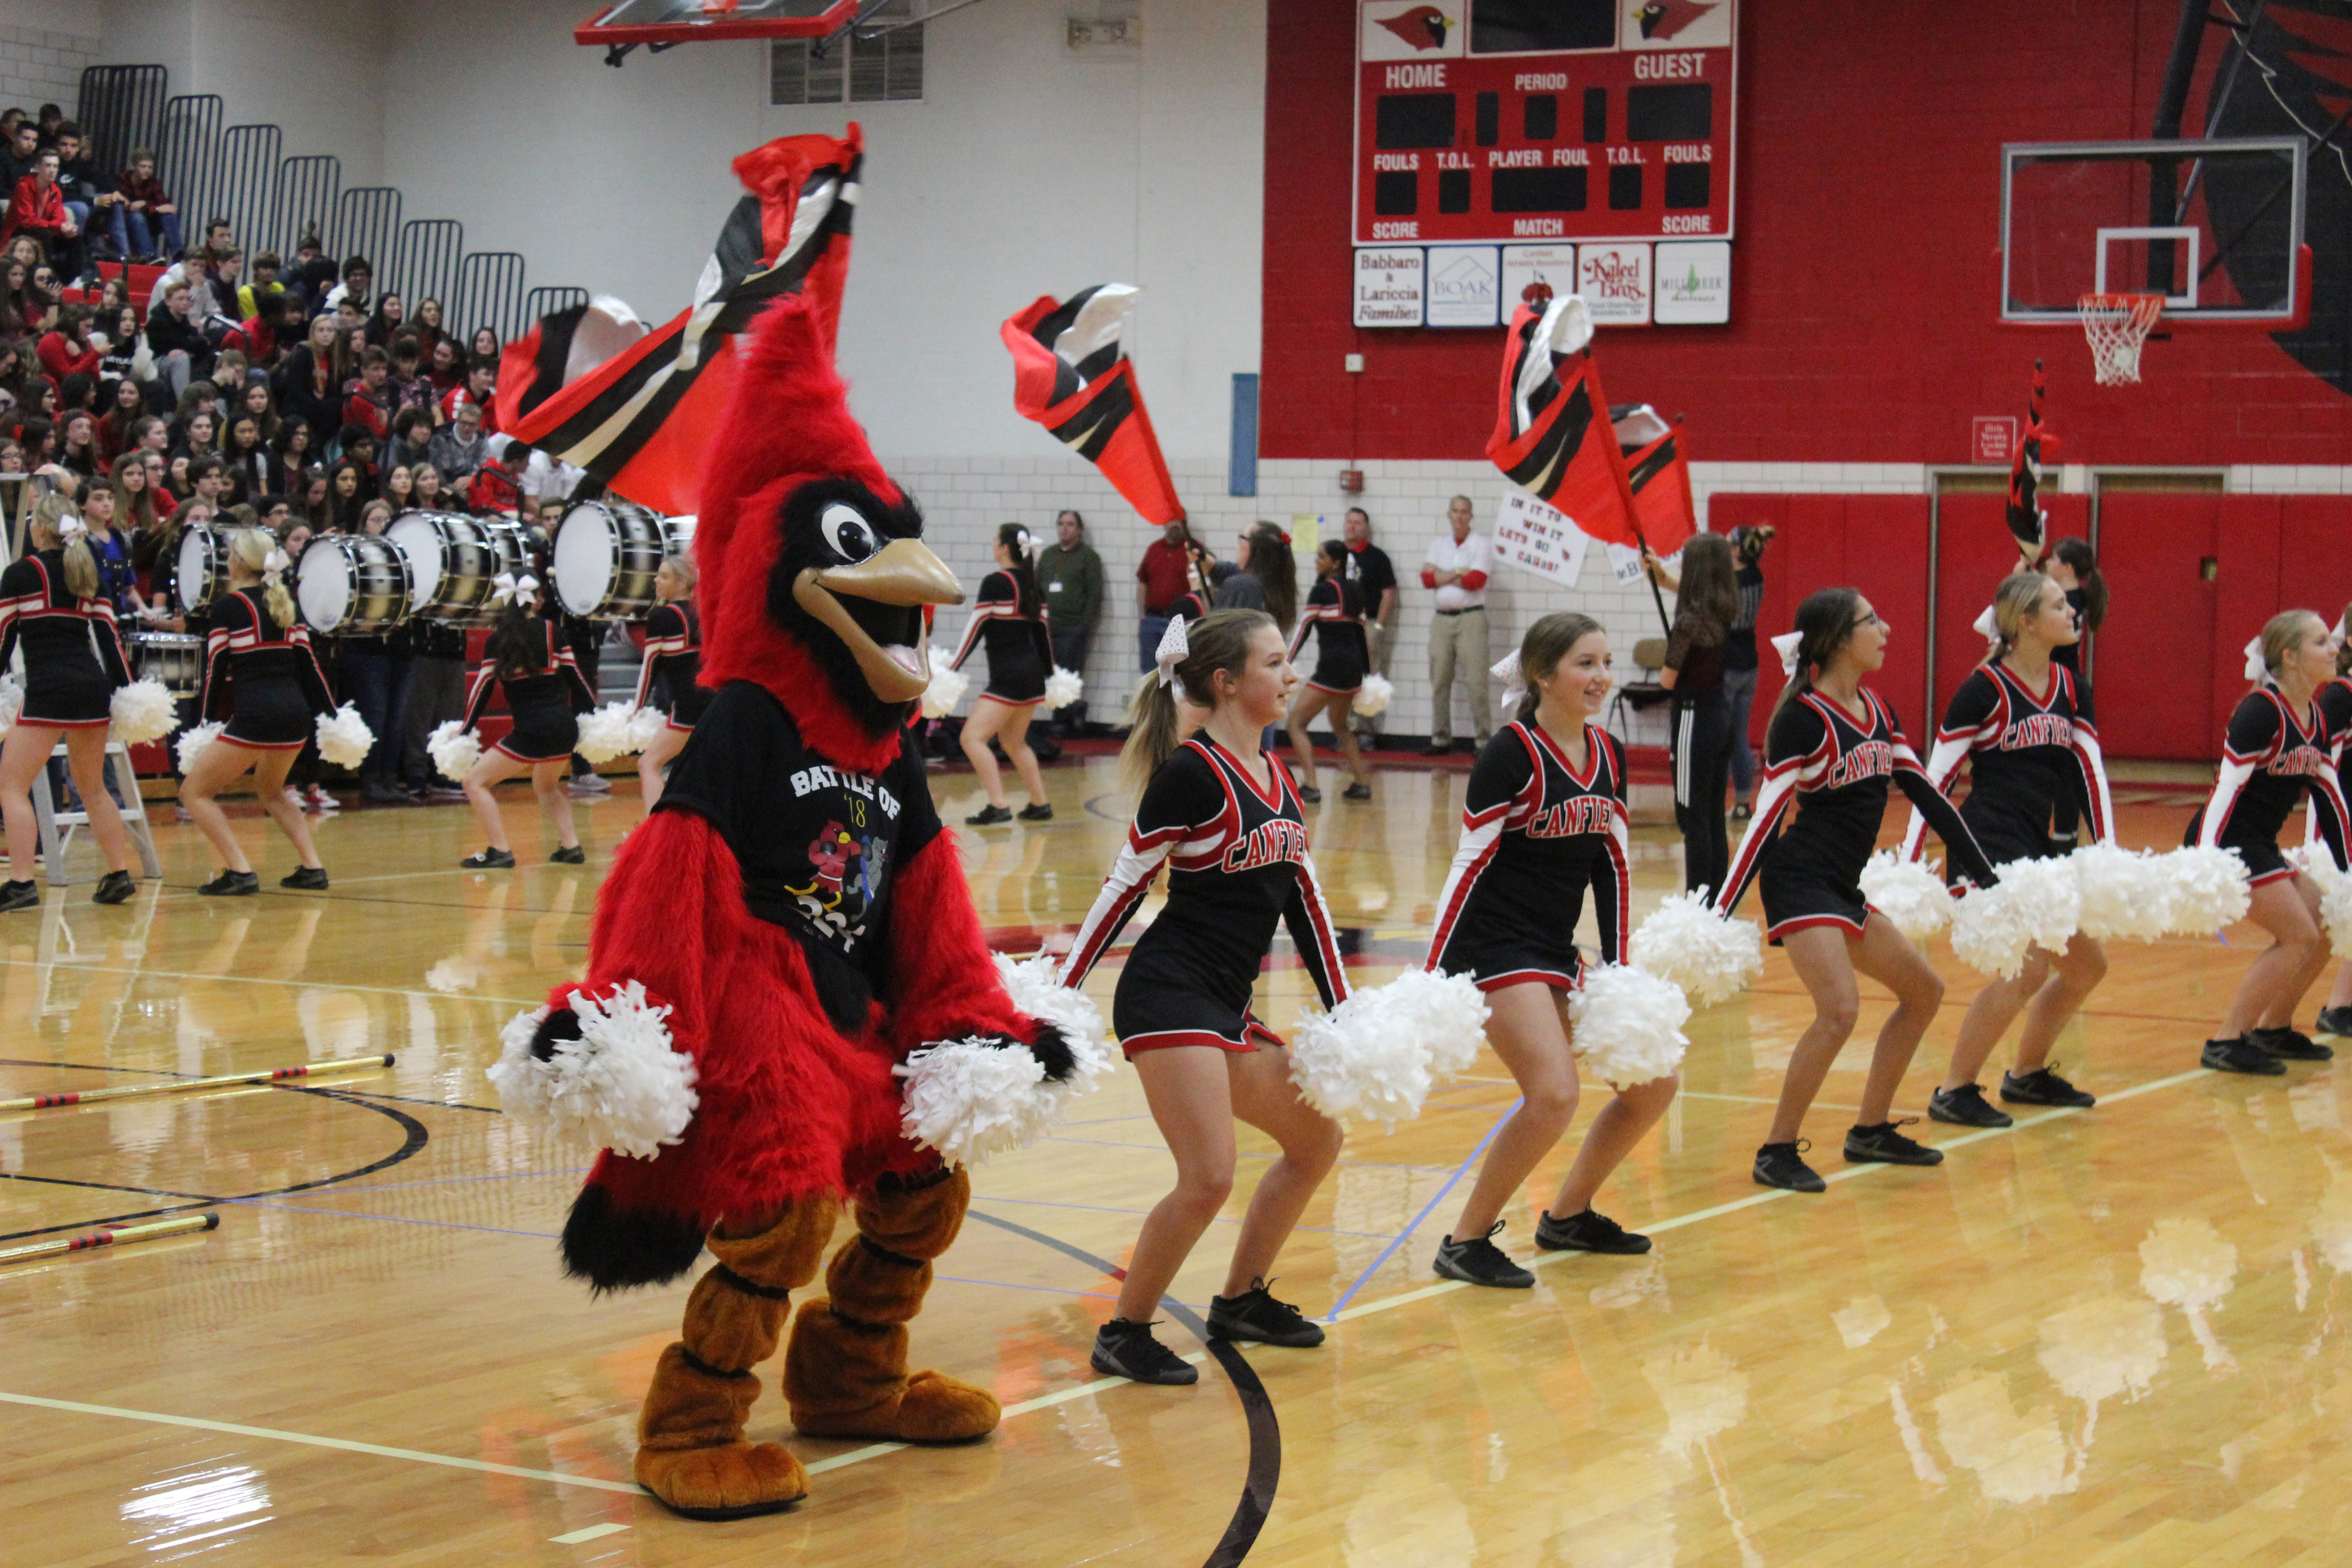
177	661
606	553
203	568
453	562
351	585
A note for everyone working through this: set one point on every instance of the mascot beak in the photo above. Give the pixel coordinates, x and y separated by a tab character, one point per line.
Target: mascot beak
902	573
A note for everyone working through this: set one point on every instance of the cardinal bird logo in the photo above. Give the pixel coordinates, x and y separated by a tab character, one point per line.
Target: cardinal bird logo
1666	18
1423	27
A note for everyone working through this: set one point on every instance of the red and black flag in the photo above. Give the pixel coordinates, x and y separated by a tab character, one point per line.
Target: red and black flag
2027	520
1657	469
1071	374
591	386
1553	435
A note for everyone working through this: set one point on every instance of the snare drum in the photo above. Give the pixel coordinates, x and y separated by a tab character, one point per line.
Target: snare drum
351	585
607	552
203	573
453	561
175	660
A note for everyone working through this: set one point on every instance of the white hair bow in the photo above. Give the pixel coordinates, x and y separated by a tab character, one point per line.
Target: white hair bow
70	528
1174	648
276	561
1514	677
1028	541
1987	625
1786	646
506	585
2258	669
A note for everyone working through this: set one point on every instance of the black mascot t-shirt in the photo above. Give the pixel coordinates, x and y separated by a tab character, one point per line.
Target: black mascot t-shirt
816	841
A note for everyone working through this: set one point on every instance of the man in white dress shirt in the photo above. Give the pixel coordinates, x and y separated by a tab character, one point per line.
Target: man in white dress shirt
1457	567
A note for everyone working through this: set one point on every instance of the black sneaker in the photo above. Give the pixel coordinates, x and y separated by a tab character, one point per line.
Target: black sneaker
1587	1232
1360	790
990	816
1310	793
1038	812
2337	1021
114	887
306	880
1886	1144
2241	1055
1966	1106
1783	1165
576	856
16	895
1478	1261
232	885
1254	1314
1128	1349
489	860
2289	1044
2043	1086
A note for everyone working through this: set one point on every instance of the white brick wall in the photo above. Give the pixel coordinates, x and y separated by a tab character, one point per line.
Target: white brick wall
38	66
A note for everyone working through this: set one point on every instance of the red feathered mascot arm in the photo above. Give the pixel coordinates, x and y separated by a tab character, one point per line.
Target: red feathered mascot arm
943	975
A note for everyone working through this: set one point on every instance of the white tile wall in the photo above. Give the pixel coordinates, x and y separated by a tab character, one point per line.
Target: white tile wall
38	66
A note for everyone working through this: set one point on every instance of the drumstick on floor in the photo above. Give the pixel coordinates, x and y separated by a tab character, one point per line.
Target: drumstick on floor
186	1085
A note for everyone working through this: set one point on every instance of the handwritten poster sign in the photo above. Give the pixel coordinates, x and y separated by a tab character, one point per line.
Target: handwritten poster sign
1539	540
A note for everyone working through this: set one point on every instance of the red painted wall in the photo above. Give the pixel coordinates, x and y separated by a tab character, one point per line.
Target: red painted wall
1864	292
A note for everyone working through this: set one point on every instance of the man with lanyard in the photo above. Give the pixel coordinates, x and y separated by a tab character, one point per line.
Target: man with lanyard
1072	575
1375	578
1457	566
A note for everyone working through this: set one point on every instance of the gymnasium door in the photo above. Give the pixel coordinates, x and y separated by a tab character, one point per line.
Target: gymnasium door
1974	551
2161	556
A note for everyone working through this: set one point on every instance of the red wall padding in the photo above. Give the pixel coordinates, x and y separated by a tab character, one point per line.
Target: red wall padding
1863	288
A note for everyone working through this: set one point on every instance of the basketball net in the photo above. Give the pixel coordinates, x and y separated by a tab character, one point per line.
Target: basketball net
2117	325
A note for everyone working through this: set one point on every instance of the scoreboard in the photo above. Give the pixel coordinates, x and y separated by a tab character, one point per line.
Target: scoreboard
1534	122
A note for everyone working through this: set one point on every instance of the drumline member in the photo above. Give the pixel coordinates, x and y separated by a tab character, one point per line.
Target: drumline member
51	604
2335	701
2278	749
674	656
528	659
261	678
1010	612
1831	746
2015	720
1222	814
1543	817
1335	610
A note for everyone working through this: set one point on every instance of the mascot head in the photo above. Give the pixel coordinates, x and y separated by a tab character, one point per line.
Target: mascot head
814	572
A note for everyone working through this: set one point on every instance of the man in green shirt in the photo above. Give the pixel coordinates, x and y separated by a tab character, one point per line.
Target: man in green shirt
1073	575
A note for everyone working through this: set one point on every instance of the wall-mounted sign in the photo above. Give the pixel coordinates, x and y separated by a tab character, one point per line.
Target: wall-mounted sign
1615	282
1691	283
1464	285
1389	285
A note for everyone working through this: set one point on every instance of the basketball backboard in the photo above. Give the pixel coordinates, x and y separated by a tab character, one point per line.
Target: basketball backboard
2215	227
666	22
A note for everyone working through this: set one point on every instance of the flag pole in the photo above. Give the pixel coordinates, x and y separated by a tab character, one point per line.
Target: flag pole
1656	597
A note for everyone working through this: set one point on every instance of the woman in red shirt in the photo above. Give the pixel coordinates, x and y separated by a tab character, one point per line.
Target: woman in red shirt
67	348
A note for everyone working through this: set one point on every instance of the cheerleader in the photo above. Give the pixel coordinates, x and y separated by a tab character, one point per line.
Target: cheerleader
2028	746
673	657
545	694
2074	566
262	679
1222	814
2278	750
51	606
1544	816
2335	701
1335	611
1011	615
1829	750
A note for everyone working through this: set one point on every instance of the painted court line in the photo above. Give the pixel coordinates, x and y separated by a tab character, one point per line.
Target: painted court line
265	980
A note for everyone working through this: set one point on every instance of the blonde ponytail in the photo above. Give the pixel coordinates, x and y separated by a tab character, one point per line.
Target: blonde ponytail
1218	641
253	547
50	514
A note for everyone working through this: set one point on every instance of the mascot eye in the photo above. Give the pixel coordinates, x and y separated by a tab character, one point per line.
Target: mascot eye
851	536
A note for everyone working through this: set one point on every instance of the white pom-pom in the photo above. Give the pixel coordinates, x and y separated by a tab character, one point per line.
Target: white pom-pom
12	702
454	749
143	710
2038	903
1373	697
2206	888
644	725
1907	893
195	741
1627	1023
1063	688
946	690
1377	1054
620	1083
972	1098
604	733
344	738
2125	892
1032	984
1687	942
2315	861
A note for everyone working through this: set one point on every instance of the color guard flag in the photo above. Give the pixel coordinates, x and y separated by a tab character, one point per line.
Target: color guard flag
593	387
1657	468
1553	435
2027	520
1071	374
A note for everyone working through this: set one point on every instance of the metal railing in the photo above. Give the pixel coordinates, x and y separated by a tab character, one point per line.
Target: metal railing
243	173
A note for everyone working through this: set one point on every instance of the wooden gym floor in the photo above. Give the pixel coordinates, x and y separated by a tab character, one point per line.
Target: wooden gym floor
2102	1338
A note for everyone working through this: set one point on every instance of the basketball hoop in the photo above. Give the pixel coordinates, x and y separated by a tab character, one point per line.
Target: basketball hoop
2117	325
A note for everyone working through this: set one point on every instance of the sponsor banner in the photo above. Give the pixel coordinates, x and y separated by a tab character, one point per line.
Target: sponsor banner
1464	286
1389	285
1692	283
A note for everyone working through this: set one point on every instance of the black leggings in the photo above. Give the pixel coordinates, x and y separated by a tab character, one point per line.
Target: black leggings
1702	750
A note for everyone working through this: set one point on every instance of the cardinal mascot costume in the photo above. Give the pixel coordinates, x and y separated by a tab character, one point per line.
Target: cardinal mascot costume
788	927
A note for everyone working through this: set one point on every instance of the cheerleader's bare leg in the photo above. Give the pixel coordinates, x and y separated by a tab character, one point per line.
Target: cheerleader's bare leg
495	768
2288	908
1527	1027
1264	1096
216	767
1302	715
22	754
1827	959
1623	1123
654	758
1339	706
2048	991
86	759
547	781
270	779
1013	733
987	717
